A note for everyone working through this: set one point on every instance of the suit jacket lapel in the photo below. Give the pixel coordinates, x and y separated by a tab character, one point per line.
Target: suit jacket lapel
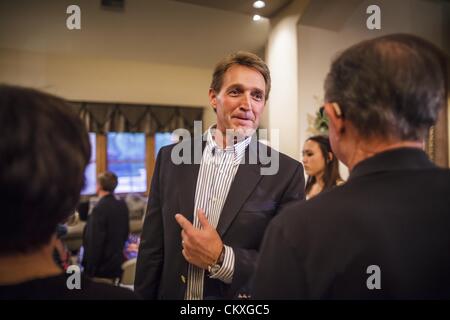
246	179
188	183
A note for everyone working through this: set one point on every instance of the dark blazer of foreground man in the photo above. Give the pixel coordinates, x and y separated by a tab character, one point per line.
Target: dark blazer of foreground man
170	247
385	233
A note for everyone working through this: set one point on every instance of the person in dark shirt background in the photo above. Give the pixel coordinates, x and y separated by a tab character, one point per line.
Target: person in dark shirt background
106	232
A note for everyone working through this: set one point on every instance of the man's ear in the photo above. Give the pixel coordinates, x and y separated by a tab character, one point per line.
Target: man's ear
212	98
335	118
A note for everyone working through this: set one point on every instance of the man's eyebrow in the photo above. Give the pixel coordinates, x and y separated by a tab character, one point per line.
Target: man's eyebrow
241	86
234	85
258	90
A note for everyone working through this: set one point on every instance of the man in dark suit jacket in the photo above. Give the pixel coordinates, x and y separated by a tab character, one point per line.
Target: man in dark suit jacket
222	203
385	233
106	231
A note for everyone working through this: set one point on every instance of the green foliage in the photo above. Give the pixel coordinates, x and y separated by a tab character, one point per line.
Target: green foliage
321	122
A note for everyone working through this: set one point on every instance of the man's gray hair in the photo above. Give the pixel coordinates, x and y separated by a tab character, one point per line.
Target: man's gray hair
391	86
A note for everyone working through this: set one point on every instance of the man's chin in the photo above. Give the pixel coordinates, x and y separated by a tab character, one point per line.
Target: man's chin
244	131
240	132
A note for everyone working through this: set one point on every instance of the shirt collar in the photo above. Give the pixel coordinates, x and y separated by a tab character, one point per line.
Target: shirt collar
238	148
393	160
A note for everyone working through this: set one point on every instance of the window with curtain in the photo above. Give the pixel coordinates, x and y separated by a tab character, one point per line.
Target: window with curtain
90	172
126	158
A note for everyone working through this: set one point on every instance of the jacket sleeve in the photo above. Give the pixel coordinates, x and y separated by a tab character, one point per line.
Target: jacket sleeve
151	249
245	260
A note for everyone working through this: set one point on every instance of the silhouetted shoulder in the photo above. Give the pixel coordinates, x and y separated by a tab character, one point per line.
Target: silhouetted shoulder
56	288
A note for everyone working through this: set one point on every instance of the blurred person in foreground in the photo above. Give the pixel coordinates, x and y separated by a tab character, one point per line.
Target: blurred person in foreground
384	234
44	151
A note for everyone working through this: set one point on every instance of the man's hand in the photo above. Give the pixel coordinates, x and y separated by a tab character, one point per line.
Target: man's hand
201	247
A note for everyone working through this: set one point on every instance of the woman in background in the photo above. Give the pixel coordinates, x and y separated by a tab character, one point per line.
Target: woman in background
321	166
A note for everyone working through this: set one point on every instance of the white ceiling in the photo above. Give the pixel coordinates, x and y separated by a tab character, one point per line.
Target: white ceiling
158	31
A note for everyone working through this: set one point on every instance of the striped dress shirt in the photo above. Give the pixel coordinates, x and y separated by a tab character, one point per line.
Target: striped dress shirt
217	170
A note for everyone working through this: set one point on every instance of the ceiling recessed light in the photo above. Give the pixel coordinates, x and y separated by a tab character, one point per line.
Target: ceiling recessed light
256	17
259	4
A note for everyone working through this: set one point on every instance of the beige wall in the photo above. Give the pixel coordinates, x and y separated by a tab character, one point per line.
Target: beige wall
76	77
156	31
153	52
101	79
282	59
